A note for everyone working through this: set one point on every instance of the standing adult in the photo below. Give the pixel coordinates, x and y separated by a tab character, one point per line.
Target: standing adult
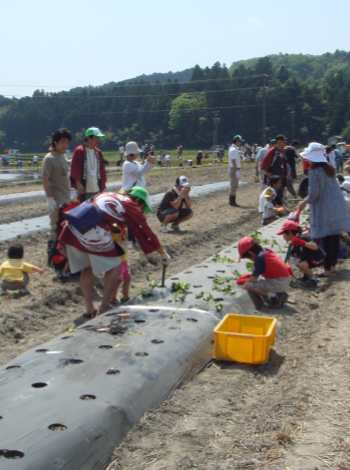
35	160
96	253
292	156
330	155
329	215
87	173
275	163
121	151
133	170
339	159
262	152
56	178
199	157
234	161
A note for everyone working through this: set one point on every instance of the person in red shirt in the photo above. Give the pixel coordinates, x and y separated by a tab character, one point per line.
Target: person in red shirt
87	173
95	252
268	265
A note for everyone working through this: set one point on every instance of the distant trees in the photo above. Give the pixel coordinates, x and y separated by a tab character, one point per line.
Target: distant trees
315	90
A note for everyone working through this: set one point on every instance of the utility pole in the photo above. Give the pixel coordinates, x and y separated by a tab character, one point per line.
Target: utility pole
264	110
216	121
292	114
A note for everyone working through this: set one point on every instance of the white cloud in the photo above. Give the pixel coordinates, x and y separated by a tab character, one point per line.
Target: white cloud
254	22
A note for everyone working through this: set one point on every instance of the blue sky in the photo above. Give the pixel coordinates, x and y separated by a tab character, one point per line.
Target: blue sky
59	45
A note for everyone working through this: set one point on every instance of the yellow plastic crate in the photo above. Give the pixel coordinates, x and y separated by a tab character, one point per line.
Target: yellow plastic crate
243	338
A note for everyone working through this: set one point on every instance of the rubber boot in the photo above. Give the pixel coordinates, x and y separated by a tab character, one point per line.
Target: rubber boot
233	201
49	257
256	299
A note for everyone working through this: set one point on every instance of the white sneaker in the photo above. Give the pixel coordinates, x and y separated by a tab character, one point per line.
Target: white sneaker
163	228
3	292
177	228
24	291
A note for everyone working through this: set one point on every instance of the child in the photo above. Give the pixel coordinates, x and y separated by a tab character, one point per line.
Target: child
15	271
121	238
269	208
304	253
271	267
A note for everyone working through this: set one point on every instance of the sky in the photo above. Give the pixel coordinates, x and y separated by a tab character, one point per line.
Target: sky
60	45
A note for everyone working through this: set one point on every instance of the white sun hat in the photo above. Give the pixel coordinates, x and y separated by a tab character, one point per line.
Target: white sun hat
314	153
132	148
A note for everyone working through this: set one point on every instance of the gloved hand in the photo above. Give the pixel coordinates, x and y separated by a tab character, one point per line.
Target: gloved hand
51	204
165	259
298	242
238	174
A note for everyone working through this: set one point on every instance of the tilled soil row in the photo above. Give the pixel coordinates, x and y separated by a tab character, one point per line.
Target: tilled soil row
159	183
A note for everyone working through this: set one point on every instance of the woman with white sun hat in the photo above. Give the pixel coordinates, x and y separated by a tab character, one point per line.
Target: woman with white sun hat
329	215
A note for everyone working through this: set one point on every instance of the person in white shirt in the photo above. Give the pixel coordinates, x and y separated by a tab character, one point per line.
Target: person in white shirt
234	161
35	160
167	160
133	171
121	151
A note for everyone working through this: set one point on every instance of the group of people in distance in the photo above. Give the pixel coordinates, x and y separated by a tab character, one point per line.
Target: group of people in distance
317	244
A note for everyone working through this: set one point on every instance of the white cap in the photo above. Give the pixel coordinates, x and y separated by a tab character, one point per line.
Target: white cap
314	153
132	148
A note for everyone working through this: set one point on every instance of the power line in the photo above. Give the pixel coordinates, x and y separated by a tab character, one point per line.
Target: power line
166	110
136	96
207	80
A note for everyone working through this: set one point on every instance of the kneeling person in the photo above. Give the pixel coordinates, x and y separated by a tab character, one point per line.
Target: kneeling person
175	206
271	267
302	251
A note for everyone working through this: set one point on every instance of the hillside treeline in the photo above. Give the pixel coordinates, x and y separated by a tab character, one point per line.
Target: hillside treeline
308	97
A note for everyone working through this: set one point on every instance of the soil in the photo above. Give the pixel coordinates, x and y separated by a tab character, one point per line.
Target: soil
290	413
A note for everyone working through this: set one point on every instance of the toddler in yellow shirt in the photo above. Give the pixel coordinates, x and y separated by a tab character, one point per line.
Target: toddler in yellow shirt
15	272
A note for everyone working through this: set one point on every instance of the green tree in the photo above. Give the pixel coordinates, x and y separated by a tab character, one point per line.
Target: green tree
181	106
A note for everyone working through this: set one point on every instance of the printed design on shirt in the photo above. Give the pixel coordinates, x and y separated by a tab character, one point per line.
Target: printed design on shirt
111	205
64	169
96	240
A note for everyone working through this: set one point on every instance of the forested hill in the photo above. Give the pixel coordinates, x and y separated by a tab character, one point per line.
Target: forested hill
157	77
306	97
310	68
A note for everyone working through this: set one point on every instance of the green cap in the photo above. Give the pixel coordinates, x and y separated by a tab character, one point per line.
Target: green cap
142	193
94	131
238	137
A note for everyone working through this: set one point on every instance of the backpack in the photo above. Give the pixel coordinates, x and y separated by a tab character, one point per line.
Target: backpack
85	217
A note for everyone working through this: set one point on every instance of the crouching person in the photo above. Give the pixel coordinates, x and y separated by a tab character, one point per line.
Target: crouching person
304	253
175	206
15	272
267	264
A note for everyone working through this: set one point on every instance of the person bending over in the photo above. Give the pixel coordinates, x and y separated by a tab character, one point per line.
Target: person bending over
268	265
304	253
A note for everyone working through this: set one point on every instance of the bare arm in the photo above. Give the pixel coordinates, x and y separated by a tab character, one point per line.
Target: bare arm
38	270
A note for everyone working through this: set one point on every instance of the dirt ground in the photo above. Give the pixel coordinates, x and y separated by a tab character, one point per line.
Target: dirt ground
290	413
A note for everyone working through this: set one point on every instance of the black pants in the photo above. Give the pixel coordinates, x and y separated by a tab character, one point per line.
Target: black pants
331	246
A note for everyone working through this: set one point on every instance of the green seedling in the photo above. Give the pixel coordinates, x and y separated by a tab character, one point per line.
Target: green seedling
152	284
222	259
250	266
257	237
236	275
275	243
180	289
219	307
